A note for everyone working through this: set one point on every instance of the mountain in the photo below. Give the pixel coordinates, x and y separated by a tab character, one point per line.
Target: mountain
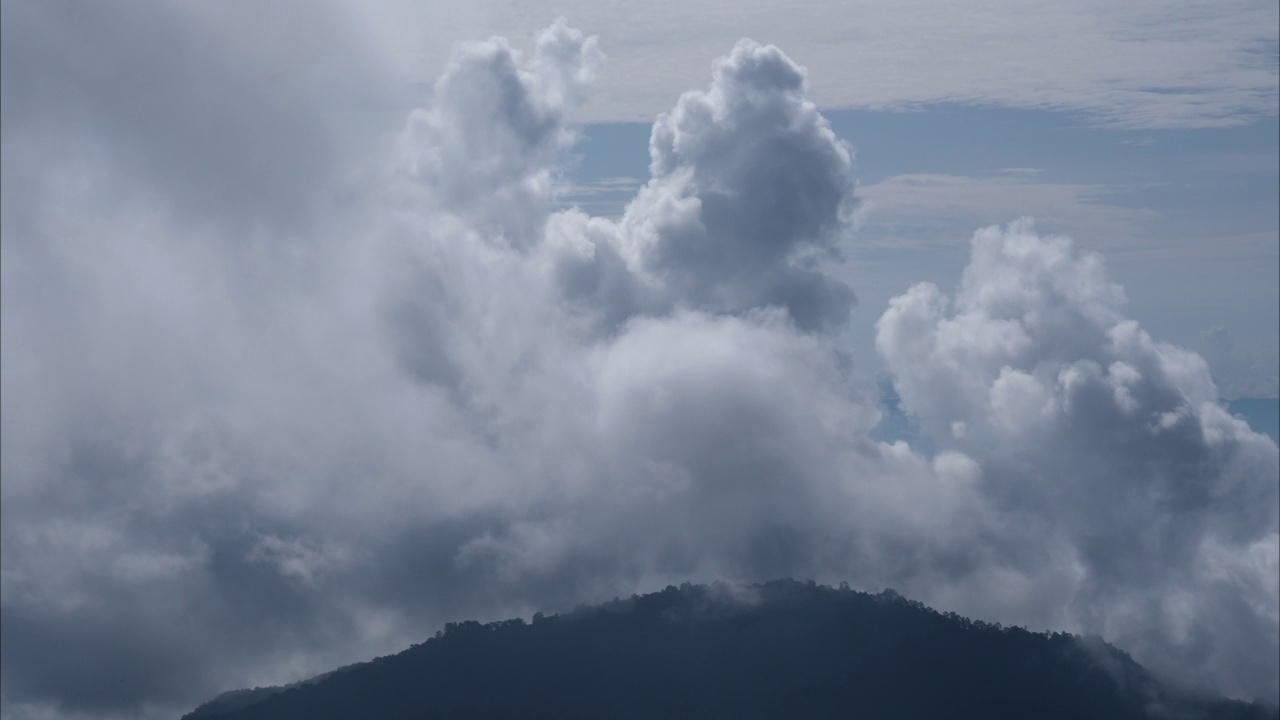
783	649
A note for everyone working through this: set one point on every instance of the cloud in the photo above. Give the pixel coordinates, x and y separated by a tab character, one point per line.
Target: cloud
607	197
255	436
484	148
1140	65
1251	375
1113	443
906	210
239	113
749	190
264	438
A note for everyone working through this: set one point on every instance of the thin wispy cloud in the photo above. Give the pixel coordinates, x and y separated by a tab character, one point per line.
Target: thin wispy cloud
606	197
1133	65
914	210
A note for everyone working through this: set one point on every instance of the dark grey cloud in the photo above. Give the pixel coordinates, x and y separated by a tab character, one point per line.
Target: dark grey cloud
250	439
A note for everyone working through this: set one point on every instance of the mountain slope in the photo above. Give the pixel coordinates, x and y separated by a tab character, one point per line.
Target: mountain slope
779	650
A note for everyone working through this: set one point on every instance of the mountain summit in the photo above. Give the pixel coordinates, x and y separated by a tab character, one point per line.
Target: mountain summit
783	649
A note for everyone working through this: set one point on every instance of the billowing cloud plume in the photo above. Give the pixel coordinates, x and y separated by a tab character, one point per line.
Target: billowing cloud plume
262	438
750	190
254	438
1110	443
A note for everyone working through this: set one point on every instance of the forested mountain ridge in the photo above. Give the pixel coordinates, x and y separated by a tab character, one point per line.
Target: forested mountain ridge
783	649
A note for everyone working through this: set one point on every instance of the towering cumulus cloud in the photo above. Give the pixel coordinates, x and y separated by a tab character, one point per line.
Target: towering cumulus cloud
750	191
1106	443
256	432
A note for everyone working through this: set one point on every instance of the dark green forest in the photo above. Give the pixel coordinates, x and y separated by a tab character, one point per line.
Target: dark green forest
783	649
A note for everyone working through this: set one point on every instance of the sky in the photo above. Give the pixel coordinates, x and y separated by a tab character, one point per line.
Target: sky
326	323
1186	217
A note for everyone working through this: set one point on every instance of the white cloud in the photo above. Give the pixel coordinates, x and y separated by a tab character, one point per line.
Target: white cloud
266	434
250	428
749	191
1114	440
